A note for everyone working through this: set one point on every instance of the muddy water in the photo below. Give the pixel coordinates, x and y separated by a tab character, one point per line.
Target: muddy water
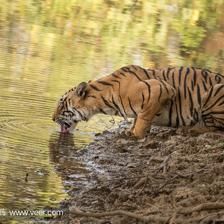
49	46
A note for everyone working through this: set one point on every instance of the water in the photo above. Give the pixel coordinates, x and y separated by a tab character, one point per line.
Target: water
49	46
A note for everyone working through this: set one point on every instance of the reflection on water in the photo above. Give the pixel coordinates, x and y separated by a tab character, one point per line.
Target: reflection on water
61	151
48	46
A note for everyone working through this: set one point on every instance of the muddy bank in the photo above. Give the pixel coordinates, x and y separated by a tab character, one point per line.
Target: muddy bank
168	177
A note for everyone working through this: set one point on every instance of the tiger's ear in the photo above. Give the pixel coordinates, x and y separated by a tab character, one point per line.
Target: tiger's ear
81	89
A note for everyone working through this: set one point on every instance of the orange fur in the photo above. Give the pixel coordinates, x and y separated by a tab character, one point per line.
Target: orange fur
170	97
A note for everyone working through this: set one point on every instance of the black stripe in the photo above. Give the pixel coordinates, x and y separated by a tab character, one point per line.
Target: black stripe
163	74
104	83
209	96
65	105
153	72
210	126
180	74
208	120
149	89
159	79
122	74
102	111
192	85
218	78
117	107
146	73
210	81
116	76
220	122
119	90
173	79
80	114
204	85
167	73
94	87
135	67
91	96
69	102
164	84
217	91
205	75
72	89
191	101
221	97
170	114
125	69
208	115
122	105
218	112
180	107
160	92
134	73
114	80
129	101
107	103
177	116
220	75
185	82
198	95
194	76
221	103
143	99
195	115
65	97
71	113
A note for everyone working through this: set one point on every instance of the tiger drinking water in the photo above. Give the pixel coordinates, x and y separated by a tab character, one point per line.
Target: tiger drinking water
173	97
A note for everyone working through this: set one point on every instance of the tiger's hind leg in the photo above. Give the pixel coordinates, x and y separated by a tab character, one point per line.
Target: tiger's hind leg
160	92
198	129
212	110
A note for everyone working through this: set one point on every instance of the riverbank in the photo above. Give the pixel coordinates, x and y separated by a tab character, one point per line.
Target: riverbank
168	177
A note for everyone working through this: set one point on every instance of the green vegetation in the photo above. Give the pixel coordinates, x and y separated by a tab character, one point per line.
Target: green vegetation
80	38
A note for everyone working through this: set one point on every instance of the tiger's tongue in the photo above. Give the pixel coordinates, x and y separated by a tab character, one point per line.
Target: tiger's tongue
64	129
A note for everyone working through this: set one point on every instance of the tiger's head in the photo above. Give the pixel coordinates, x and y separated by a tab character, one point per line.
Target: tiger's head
74	106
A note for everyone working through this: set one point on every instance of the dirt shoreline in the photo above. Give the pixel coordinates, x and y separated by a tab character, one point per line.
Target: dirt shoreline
168	177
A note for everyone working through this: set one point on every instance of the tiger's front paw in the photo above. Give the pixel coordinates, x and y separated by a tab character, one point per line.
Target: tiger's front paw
134	133
128	132
139	134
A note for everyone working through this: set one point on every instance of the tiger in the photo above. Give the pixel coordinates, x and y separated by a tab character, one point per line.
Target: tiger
173	97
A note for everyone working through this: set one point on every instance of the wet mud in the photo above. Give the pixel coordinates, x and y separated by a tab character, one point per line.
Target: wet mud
168	177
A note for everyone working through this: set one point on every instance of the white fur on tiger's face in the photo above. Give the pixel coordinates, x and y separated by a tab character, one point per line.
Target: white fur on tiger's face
171	97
